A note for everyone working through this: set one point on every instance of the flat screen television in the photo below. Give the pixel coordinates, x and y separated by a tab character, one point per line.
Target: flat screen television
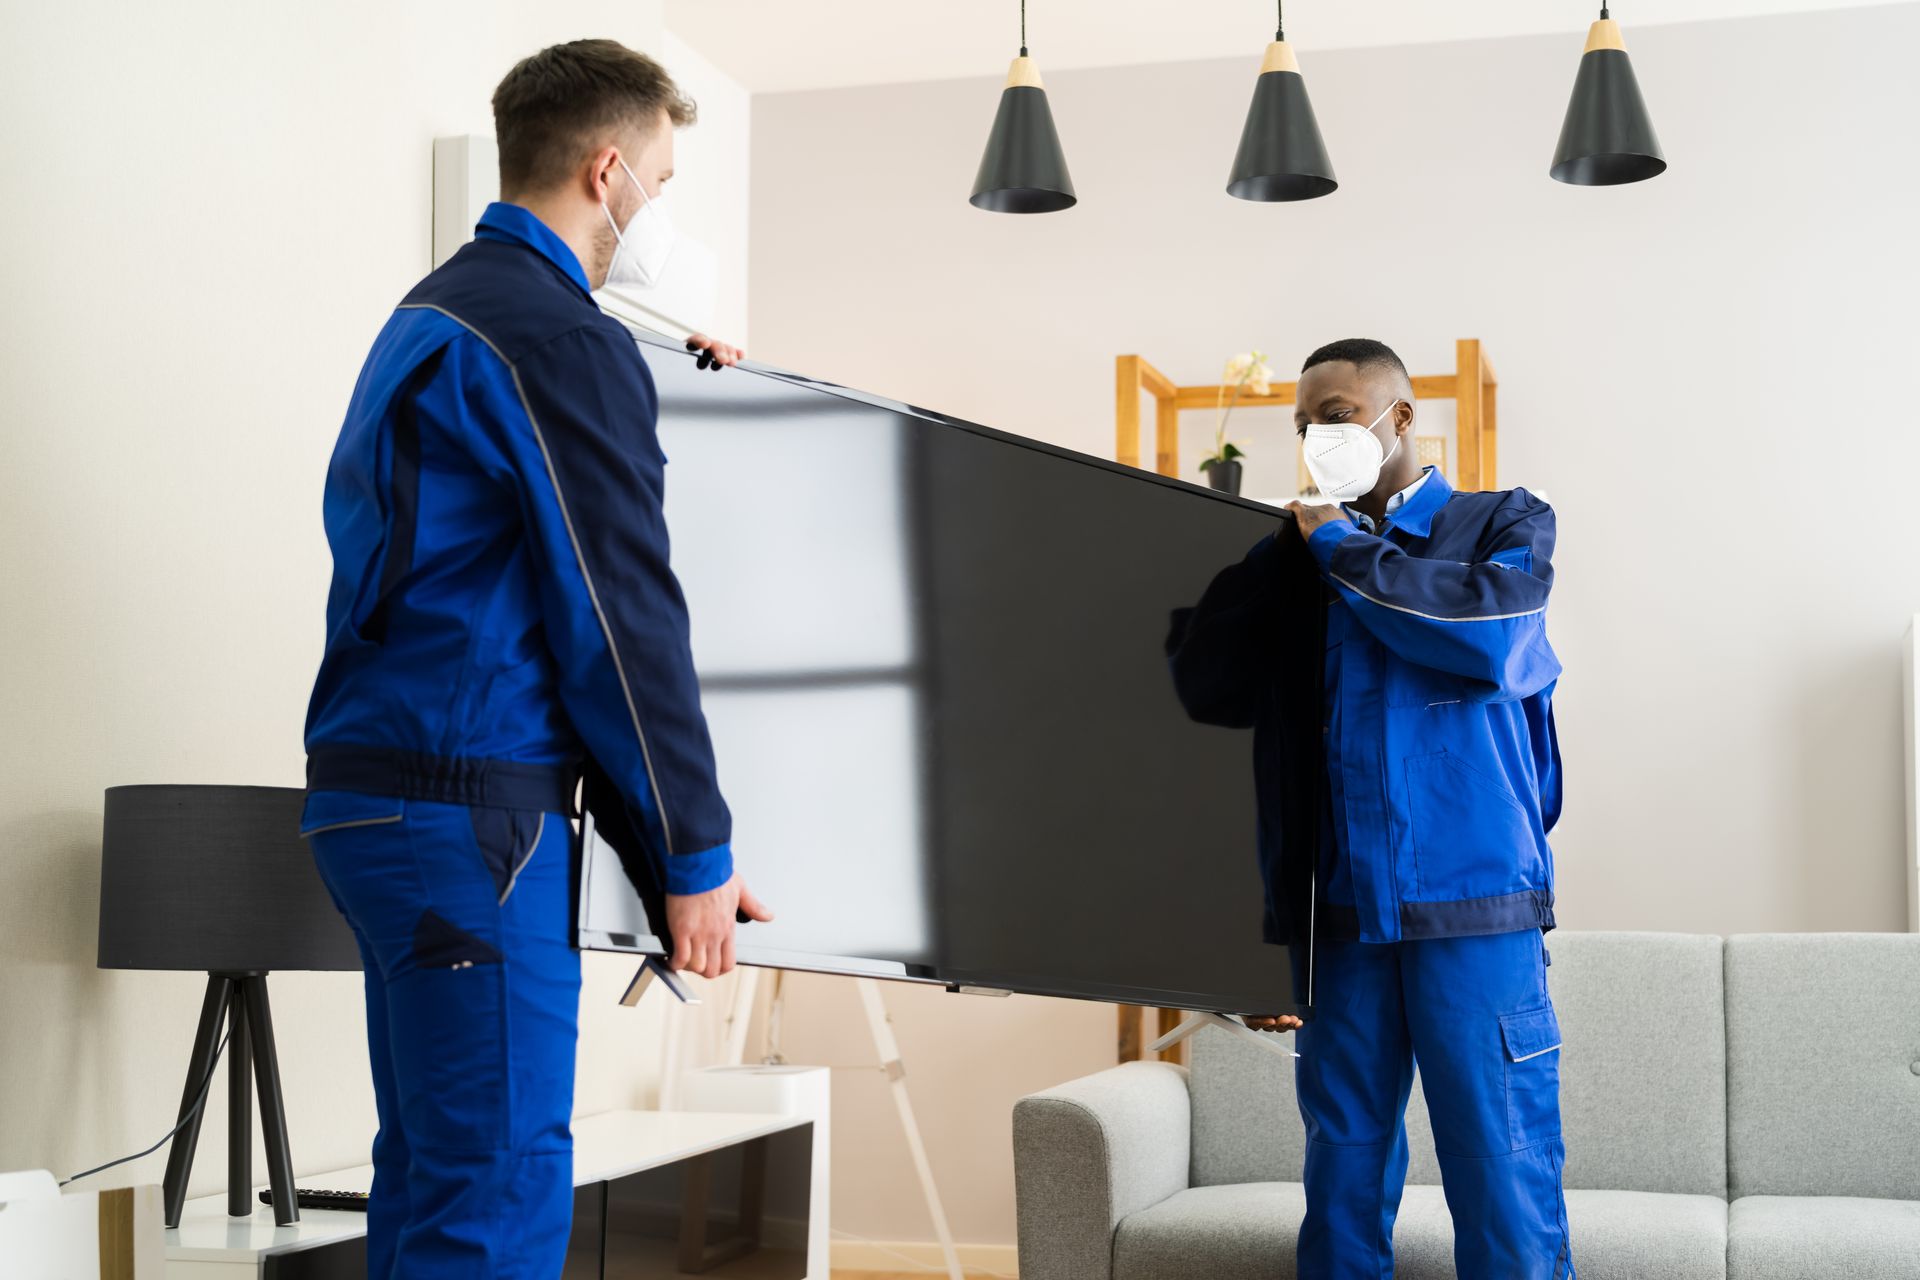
931	656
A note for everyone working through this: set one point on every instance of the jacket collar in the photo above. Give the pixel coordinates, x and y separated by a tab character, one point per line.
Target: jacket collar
1416	516
512	224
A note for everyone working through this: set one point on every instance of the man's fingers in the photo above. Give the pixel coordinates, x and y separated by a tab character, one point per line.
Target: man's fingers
753	906
726	955
713	355
1273	1022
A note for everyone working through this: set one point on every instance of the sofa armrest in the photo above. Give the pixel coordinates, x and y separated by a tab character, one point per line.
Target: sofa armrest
1091	1152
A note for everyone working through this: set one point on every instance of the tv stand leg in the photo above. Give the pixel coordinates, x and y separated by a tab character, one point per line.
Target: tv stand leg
1198	1022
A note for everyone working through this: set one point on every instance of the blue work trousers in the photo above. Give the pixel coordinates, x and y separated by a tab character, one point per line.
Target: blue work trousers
473	996
1474	1013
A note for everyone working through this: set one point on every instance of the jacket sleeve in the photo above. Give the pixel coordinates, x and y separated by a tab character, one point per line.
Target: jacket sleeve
1549	770
1485	621
592	480
1224	647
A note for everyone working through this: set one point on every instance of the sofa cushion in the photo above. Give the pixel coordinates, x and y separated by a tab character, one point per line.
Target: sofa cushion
1643	1070
1241	1232
1248	1232
1823	1065
1617	1235
1822	1238
1642	1076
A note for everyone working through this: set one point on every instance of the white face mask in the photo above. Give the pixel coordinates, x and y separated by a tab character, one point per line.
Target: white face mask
643	248
1345	458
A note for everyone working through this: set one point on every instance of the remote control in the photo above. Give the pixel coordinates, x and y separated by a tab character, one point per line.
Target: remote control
305	1198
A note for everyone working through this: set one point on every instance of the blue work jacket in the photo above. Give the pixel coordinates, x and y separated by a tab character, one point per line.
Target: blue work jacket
501	591
1408	779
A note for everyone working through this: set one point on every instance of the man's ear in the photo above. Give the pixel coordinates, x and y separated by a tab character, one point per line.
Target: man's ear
599	175
1403	417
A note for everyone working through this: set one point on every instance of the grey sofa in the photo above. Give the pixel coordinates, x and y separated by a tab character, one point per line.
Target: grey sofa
1747	1108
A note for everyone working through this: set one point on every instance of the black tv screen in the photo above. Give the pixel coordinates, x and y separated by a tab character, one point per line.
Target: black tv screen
931	655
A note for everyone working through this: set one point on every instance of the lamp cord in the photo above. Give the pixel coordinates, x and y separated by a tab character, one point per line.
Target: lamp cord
199	1101
1023	28
1280	19
1603	13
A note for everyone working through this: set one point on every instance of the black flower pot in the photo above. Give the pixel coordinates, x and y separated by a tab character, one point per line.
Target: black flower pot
1225	476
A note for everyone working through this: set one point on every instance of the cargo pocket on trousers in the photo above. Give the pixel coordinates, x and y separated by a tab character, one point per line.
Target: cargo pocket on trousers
1532	1041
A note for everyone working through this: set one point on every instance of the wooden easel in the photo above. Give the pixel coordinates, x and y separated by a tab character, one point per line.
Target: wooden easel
1474	391
1471	386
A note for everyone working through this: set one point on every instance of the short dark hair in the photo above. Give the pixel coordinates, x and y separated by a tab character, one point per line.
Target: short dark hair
1363	353
549	108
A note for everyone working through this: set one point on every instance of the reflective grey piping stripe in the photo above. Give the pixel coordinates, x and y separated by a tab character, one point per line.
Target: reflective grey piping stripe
1434	617
659	802
1313	915
514	879
1529	1057
357	822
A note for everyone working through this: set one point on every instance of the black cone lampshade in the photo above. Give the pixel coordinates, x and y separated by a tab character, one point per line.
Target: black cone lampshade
1608	136
1281	155
1023	170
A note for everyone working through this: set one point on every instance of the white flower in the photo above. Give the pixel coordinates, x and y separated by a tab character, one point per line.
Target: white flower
1250	369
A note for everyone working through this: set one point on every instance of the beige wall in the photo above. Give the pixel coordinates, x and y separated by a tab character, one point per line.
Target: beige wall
1671	356
210	209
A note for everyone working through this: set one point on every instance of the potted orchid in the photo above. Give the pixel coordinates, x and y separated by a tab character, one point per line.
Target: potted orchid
1247	371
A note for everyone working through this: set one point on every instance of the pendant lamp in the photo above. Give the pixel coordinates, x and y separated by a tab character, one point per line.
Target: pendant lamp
1281	155
1608	136
1023	170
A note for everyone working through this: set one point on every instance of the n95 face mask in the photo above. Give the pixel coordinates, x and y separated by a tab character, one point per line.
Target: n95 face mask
1345	458
645	245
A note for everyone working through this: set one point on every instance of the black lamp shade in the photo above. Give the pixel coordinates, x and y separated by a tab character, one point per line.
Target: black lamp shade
1608	136
1281	156
216	879
1023	169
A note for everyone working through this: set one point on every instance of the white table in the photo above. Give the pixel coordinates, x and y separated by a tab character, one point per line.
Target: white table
208	1245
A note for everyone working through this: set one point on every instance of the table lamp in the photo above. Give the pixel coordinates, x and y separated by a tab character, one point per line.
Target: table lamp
217	879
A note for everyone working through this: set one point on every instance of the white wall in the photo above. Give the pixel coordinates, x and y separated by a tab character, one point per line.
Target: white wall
711	182
1677	359
210	209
